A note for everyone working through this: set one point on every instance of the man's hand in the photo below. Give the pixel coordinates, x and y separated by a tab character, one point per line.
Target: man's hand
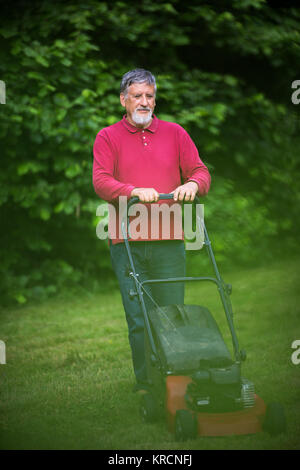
186	191
145	194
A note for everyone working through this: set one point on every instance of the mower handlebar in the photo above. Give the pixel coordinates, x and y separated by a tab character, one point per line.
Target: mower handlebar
136	199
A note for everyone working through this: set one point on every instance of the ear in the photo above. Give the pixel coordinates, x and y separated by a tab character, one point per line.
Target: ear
122	99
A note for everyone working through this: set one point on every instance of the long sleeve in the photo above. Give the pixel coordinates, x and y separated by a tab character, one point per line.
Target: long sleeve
192	167
105	184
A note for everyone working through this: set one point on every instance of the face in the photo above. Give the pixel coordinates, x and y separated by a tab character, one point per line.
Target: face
139	104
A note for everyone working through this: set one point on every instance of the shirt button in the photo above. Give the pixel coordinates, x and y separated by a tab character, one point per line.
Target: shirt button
145	143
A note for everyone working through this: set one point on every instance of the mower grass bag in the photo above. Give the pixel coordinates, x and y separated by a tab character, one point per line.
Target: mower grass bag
187	339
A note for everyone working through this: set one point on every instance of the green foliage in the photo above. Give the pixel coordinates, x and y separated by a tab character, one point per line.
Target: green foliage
219	71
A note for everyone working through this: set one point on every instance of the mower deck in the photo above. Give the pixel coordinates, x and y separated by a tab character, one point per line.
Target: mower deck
246	421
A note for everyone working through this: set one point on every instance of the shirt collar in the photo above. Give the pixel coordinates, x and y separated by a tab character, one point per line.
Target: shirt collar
152	128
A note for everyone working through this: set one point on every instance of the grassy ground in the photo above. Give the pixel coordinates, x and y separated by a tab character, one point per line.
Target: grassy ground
68	378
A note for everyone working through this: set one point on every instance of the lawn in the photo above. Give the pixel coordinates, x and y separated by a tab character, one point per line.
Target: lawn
67	383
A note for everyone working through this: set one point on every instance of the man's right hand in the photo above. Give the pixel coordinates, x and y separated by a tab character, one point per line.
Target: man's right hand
145	194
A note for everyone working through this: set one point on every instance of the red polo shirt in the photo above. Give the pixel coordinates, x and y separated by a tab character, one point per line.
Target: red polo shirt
159	157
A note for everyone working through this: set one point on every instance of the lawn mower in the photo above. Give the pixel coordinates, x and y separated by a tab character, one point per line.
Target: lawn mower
192	375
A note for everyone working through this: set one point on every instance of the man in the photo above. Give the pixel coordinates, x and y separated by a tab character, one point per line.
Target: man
144	156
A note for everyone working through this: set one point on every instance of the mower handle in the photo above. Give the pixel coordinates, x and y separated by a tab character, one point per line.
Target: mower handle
136	199
239	355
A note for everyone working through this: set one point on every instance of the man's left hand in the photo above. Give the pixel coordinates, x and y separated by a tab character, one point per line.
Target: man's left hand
186	191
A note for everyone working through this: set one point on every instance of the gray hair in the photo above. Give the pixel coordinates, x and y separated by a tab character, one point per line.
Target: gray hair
136	76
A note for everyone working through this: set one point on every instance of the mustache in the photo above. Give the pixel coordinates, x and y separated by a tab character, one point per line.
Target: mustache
143	109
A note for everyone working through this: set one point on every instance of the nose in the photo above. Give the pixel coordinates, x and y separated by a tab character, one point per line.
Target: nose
144	100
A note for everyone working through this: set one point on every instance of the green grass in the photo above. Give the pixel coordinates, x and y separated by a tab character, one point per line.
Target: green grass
68	378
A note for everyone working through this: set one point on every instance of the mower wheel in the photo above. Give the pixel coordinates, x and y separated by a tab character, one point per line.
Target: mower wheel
185	425
148	408
275	420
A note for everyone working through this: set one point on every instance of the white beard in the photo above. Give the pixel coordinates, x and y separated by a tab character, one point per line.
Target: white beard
141	119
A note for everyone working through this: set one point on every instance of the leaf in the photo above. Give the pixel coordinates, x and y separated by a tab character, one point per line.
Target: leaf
20	298
35	75
59	207
60	114
41	60
66	62
60	43
44	214
73	171
9	32
32	167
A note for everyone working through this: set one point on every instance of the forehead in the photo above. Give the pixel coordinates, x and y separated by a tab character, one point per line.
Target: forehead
141	88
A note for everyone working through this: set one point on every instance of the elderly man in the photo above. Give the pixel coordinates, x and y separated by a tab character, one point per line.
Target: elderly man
144	156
